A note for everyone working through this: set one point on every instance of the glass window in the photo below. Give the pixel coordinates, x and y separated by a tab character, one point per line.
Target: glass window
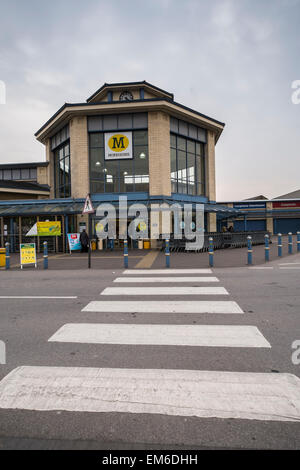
25	174
192	131
140	138
125	121
173	160
187	166
201	134
120	175
62	171
97	186
173	141
95	123
96	140
33	174
7	174
174	125
16	174
181	143
183	128
60	137
191	146
110	122
140	120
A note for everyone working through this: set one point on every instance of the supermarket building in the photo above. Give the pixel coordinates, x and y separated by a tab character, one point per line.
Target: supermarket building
169	157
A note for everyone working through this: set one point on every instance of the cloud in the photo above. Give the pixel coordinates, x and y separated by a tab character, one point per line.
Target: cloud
232	60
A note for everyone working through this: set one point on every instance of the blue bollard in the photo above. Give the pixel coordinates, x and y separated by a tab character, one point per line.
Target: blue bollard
45	255
267	248
298	241
7	256
167	253
125	253
211	251
249	241
290	243
279	244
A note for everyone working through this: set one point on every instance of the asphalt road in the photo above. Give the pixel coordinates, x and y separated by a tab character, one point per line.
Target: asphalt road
269	299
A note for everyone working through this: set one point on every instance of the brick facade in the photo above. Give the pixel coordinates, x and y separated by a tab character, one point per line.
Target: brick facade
79	157
159	154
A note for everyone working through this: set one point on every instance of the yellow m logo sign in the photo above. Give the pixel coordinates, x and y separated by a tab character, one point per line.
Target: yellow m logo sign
118	142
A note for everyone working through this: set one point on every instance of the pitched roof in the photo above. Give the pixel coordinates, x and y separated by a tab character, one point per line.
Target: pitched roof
256	198
292	195
128	84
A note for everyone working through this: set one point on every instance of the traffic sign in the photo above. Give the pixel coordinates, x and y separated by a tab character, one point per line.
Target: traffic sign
88	206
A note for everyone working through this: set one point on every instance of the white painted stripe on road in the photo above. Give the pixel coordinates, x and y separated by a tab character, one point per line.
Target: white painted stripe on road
167	271
261	267
166	279
234	336
203	394
164	291
290	267
163	306
287	264
37	297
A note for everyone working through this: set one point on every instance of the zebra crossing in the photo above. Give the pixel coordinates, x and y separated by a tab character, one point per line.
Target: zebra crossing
199	393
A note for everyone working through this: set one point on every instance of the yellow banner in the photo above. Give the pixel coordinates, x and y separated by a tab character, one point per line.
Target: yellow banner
48	229
28	253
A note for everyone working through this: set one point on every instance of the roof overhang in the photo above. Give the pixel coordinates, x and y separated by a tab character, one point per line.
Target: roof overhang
25	191
68	111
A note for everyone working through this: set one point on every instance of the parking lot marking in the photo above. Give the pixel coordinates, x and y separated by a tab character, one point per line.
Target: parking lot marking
203	394
37	297
287	264
164	306
166	279
167	271
289	267
178	290
234	336
261	267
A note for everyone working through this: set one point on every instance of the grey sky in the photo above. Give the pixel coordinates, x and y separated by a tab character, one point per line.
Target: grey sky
234	60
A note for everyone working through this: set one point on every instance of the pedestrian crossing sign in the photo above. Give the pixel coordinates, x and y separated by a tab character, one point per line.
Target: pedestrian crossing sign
88	206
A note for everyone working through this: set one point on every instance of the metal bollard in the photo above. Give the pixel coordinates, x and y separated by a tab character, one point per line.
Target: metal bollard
290	243
211	251
7	256
249	241
167	253
298	241
45	255
279	244
125	253
267	248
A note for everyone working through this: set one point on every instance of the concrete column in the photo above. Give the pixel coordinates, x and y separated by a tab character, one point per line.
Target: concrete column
270	225
159	153
210	174
48	176
211	222
2	231
20	229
